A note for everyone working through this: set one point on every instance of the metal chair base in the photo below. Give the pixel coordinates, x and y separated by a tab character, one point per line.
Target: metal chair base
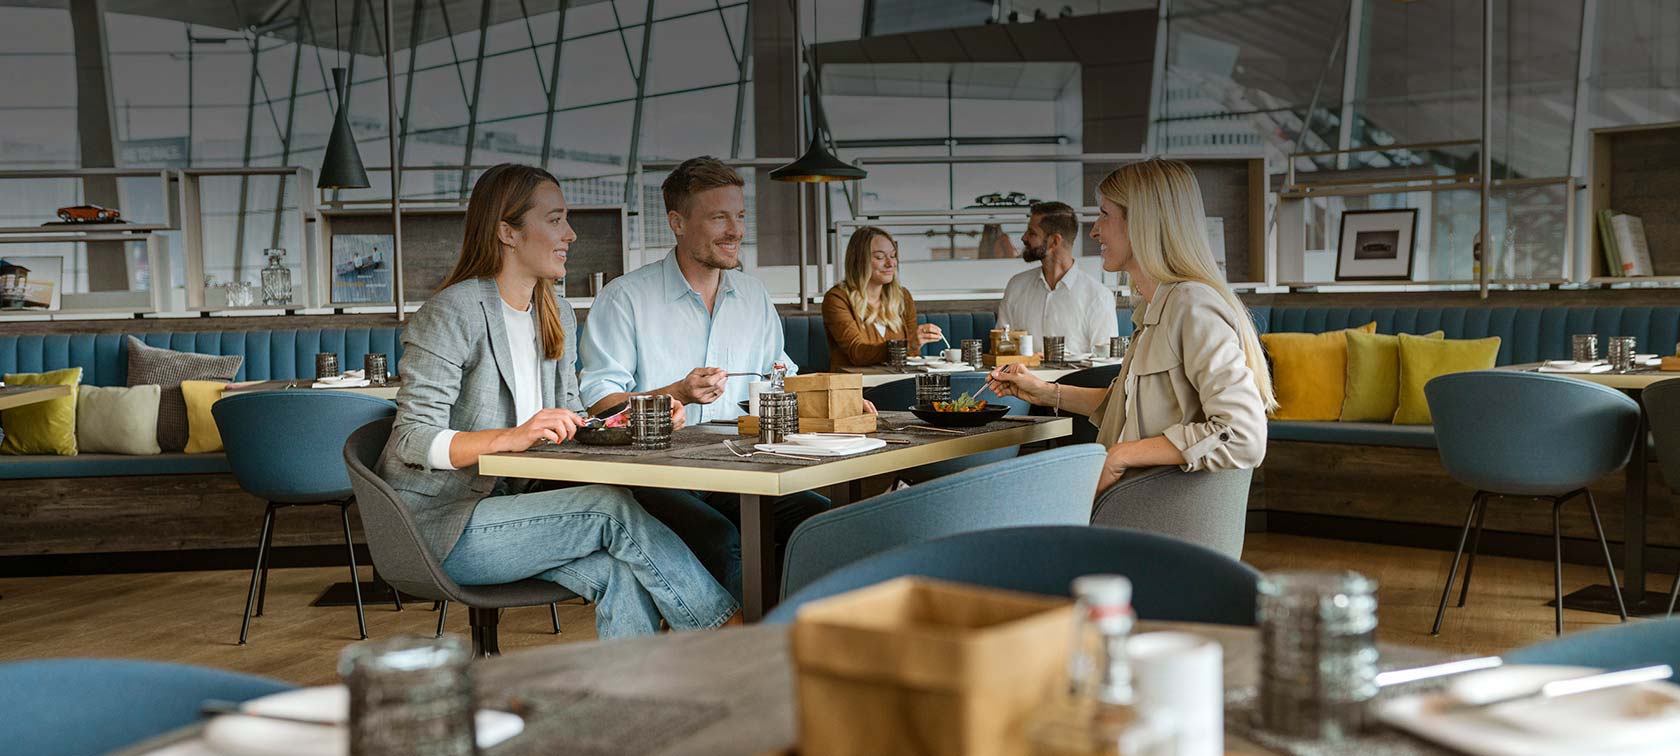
258	592
1473	523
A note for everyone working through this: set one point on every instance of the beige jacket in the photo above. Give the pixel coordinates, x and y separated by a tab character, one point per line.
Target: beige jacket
1185	378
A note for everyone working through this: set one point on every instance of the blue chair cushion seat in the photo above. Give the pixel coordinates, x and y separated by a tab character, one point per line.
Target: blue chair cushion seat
101	465
1366	434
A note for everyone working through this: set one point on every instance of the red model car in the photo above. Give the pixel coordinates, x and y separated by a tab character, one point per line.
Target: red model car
87	214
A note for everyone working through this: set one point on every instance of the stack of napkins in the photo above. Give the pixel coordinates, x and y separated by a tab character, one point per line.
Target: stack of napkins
1571	366
863	444
352	379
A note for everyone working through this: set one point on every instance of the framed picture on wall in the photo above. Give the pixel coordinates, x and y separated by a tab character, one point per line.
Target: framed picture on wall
361	268
38	286
1376	245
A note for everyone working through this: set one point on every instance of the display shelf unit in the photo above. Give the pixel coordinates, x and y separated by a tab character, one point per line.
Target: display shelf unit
1636	170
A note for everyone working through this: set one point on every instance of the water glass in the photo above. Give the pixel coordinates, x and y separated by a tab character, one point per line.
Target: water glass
1584	347
1055	348
1318	654
898	352
373	368
971	349
1622	349
933	387
778	416
650	421
1117	346
410	696
326	365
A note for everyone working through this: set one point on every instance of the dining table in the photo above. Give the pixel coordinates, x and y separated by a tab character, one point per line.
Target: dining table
875	375
386	391
732	691
699	460
22	396
1635	500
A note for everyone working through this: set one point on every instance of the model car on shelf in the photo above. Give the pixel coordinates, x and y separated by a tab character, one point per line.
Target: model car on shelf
1002	199
88	214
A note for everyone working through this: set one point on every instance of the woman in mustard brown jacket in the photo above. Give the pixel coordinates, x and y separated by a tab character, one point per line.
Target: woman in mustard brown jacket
861	313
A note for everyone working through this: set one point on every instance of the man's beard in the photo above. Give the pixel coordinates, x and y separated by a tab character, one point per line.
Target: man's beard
709	257
1033	254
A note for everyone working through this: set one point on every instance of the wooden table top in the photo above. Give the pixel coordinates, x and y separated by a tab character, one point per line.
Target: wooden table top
661	470
875	375
1636	380
18	396
387	391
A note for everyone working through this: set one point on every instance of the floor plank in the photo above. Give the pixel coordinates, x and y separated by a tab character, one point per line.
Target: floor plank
193	617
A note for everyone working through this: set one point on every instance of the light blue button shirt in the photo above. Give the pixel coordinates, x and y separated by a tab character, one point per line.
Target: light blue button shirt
649	329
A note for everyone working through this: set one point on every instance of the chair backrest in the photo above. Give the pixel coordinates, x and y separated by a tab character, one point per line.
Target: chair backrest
1171	580
893	396
1528	433
284	445
1636	644
1050	488
399	552
1662	408
91	706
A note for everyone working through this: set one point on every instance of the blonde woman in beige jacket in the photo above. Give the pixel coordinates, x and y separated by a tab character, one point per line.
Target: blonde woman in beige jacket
1194	390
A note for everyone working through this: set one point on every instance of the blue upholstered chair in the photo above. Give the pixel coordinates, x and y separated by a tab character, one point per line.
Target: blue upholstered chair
284	447
901	394
1662	409
87	707
1049	488
1171	580
1635	644
1527	435
402	558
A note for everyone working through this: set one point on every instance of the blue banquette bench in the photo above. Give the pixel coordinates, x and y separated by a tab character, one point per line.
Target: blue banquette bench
1528	334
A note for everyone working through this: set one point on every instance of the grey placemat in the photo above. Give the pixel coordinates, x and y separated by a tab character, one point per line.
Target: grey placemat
716	452
682	439
576	723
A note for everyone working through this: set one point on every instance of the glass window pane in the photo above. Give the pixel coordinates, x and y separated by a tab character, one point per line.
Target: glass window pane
681	126
690	52
594	69
511	86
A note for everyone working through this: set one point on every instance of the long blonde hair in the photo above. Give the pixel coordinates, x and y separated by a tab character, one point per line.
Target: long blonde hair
1167	228
503	194
859	255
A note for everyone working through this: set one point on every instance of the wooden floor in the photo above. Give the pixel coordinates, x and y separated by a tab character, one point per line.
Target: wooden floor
194	617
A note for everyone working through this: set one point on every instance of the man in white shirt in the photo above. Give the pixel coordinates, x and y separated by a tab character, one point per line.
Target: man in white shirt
1057	298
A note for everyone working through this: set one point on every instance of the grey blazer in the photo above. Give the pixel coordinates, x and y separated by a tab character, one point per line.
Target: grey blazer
457	374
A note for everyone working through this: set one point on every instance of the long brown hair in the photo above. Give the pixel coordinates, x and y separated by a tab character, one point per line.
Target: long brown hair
503	195
860	253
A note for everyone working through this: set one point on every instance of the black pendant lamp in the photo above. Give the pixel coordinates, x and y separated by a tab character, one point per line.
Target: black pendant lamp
341	167
817	165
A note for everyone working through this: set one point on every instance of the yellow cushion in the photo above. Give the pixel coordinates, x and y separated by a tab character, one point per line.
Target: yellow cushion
1373	377
1421	360
1308	372
47	427
202	435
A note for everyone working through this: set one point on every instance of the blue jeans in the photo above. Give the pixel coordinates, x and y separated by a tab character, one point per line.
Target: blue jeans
599	543
710	523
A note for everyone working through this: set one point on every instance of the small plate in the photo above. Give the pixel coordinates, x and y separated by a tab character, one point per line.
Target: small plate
827	440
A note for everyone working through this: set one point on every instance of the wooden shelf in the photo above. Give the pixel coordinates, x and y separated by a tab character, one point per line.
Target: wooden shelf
1611	280
1633	170
86	228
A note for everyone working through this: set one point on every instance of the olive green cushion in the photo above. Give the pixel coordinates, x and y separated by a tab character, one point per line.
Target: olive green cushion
1422	360
47	427
1372	392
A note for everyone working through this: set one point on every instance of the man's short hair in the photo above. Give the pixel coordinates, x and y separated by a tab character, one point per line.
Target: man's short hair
1056	218
694	176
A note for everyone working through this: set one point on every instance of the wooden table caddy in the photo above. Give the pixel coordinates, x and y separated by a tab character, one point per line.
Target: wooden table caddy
828	403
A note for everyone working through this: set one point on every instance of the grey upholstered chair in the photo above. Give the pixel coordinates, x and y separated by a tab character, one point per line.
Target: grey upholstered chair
1523	435
401	556
1207	507
1172	580
1662	408
1048	488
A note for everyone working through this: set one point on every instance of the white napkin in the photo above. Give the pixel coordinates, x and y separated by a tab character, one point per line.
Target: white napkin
941	366
1568	366
234	735
863	445
342	383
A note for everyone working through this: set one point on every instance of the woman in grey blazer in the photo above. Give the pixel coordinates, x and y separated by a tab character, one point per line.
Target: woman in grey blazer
489	365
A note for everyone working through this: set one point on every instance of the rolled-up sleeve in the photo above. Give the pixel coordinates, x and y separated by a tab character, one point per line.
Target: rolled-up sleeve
608	348
1234	434
434	353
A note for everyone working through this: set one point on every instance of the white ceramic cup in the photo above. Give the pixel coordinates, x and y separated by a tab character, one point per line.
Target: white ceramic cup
753	390
1180	677
1026	344
952	355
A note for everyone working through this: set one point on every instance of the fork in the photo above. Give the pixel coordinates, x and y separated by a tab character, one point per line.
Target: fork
915	427
730	445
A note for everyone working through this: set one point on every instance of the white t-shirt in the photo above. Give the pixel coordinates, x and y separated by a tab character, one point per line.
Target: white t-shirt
1080	309
527	387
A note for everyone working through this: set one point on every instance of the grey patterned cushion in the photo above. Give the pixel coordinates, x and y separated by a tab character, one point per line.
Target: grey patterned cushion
167	368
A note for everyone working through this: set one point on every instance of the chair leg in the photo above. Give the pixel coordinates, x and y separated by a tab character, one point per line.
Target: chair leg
1609	565
1673	593
256	571
1479	503
262	588
554	614
483	623
355	581
443	613
1452	572
1557	563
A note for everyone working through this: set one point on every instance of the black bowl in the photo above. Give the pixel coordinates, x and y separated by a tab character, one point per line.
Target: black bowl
619	436
932	416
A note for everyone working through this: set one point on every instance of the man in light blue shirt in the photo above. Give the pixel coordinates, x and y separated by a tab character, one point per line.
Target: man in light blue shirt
678	327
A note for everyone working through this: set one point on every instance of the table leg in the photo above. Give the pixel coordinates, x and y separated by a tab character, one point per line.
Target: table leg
1633	518
760	584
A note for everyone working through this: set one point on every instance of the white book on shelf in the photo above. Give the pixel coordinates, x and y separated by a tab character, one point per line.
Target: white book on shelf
1635	252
